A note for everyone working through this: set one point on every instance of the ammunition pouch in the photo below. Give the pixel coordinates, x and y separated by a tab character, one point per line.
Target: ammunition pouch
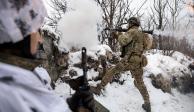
144	61
123	53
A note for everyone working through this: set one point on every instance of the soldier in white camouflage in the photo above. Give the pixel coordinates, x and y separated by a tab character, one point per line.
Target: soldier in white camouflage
133	45
24	86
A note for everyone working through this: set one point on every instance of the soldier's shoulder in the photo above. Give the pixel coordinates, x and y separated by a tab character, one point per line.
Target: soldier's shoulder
132	31
135	32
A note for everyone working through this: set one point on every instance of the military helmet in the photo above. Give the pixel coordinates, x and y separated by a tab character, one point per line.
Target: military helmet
134	21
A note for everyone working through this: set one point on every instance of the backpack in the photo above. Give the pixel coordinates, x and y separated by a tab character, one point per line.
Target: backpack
147	41
147	44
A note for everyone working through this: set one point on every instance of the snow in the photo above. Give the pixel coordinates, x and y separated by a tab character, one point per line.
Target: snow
168	66
75	57
61	91
126	97
101	49
181	58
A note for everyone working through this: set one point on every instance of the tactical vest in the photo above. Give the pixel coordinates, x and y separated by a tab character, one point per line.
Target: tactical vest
130	48
124	49
147	43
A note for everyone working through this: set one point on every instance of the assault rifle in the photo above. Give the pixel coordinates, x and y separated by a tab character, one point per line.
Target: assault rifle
82	100
85	85
125	30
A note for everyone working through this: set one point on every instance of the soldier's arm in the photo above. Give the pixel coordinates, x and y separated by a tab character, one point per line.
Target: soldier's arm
124	38
116	34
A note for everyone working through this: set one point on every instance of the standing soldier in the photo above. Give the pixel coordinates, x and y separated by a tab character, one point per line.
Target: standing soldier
133	45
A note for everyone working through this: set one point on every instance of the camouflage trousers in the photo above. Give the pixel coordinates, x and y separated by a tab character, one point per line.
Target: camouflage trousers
136	70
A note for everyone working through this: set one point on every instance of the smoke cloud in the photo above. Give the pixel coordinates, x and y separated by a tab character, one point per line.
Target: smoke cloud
79	25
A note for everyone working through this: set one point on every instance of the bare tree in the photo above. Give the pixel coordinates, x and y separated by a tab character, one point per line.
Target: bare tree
158	13
175	9
59	8
115	13
148	23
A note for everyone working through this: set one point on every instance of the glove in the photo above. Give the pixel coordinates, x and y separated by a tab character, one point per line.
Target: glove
82	98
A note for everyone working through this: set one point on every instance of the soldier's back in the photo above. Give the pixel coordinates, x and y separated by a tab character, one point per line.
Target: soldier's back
137	38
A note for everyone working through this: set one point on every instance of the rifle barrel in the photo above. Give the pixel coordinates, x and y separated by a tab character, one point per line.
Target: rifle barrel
84	64
125	30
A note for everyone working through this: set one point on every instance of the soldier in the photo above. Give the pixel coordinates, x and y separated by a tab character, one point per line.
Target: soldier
24	89
133	45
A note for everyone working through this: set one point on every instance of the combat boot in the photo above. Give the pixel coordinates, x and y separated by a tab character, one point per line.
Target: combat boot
96	90
146	107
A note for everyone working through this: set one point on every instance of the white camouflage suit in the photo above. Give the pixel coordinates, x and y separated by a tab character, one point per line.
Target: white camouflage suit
22	90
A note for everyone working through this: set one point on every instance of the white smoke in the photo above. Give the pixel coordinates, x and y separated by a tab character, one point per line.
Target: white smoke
79	25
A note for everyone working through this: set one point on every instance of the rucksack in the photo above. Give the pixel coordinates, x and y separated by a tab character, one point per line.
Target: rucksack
147	41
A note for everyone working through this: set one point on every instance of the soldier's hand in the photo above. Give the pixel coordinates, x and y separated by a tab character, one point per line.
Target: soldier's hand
88	100
116	34
81	100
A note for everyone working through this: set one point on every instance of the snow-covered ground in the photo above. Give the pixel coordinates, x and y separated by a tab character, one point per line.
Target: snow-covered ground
166	65
126	97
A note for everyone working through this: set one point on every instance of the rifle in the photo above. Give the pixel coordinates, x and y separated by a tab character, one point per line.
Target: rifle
95	106
85	85
77	102
82	100
125	30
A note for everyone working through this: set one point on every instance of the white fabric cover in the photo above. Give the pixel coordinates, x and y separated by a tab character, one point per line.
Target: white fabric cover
18	18
27	92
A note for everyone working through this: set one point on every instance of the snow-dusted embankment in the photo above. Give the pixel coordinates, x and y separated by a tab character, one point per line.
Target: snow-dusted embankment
126	97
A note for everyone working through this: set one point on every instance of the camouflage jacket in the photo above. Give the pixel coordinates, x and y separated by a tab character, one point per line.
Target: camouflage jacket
133	40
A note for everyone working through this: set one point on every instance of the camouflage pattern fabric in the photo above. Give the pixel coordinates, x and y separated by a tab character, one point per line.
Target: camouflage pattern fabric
131	62
18	18
147	41
135	38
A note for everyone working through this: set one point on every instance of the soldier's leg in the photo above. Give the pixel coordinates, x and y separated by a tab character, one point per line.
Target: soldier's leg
121	66
104	67
138	82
